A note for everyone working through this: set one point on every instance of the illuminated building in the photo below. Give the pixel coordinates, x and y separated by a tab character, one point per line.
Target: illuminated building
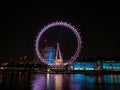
91	65
49	55
58	59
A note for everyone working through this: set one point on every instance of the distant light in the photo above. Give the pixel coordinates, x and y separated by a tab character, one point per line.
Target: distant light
48	70
1	68
45	40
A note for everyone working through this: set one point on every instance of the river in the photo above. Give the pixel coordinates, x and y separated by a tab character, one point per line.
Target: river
37	81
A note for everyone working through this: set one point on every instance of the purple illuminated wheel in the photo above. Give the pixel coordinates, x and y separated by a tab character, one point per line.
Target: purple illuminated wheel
63	24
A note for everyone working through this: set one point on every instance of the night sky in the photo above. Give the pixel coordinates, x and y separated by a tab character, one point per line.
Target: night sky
99	28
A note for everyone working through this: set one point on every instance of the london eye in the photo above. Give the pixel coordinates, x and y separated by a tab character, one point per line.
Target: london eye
61	24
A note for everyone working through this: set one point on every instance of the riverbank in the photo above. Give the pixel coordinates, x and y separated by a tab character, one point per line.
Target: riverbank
93	72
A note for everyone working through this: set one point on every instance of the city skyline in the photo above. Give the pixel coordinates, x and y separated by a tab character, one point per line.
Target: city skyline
60	45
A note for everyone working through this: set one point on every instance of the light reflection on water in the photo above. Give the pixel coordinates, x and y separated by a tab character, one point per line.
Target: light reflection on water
14	81
58	82
36	81
75	82
46	81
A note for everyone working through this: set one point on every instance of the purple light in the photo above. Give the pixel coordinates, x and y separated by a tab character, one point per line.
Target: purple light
53	24
38	83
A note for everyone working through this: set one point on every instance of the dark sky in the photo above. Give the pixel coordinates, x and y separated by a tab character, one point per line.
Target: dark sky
99	27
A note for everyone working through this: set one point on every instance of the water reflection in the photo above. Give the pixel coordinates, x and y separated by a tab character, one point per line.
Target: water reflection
46	81
36	81
58	82
75	82
14	81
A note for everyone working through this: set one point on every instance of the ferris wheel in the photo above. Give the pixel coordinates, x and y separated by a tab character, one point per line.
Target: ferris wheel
62	24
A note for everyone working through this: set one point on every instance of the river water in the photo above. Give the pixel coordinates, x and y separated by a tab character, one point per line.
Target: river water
37	81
